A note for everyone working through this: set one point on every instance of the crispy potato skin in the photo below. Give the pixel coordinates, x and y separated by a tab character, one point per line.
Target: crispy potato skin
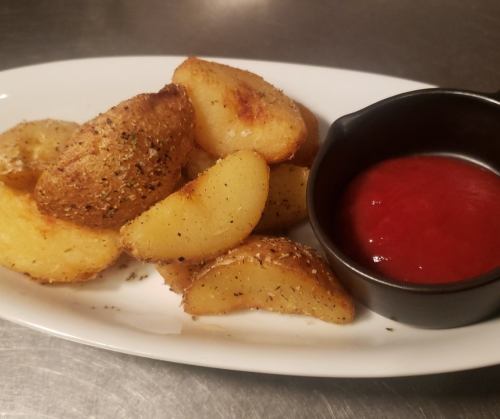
204	218
121	162
29	148
286	204
239	110
307	152
48	249
271	273
178	275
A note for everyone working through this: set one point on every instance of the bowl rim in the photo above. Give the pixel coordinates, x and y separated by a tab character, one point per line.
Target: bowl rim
491	97
329	244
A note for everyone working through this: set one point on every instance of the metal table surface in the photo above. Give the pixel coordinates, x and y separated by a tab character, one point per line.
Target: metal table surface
442	42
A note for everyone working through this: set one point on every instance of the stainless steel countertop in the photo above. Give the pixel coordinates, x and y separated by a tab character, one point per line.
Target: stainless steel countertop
445	42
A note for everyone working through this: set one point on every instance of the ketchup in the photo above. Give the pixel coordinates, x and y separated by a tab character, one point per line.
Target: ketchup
422	219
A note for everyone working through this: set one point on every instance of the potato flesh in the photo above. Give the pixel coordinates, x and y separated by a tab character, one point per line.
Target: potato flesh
307	152
198	161
286	204
48	249
206	216
270	273
238	110
29	148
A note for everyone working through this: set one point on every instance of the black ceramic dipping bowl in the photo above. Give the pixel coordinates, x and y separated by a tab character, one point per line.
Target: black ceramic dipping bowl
437	121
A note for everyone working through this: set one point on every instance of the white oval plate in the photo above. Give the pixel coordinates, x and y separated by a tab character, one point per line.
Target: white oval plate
141	316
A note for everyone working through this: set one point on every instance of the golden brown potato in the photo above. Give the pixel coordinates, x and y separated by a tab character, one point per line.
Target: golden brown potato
307	152
121	162
198	161
178	275
206	217
273	274
29	148
238	110
48	249
286	203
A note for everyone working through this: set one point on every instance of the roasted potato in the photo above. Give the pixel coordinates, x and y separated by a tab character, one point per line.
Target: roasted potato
48	249
238	110
286	203
307	152
273	274
121	162
206	217
198	161
178	275
29	148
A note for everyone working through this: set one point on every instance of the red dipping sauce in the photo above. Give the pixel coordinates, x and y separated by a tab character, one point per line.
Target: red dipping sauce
422	219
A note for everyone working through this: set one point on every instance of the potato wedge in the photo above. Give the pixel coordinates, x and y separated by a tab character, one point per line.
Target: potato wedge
121	162
270	273
48	249
178	275
286	203
238	110
307	152
29	148
206	217
198	161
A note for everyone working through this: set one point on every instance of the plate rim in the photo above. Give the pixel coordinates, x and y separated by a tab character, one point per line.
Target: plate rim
222	366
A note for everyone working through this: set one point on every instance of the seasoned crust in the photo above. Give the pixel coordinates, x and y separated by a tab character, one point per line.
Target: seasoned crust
270	273
279	251
122	161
